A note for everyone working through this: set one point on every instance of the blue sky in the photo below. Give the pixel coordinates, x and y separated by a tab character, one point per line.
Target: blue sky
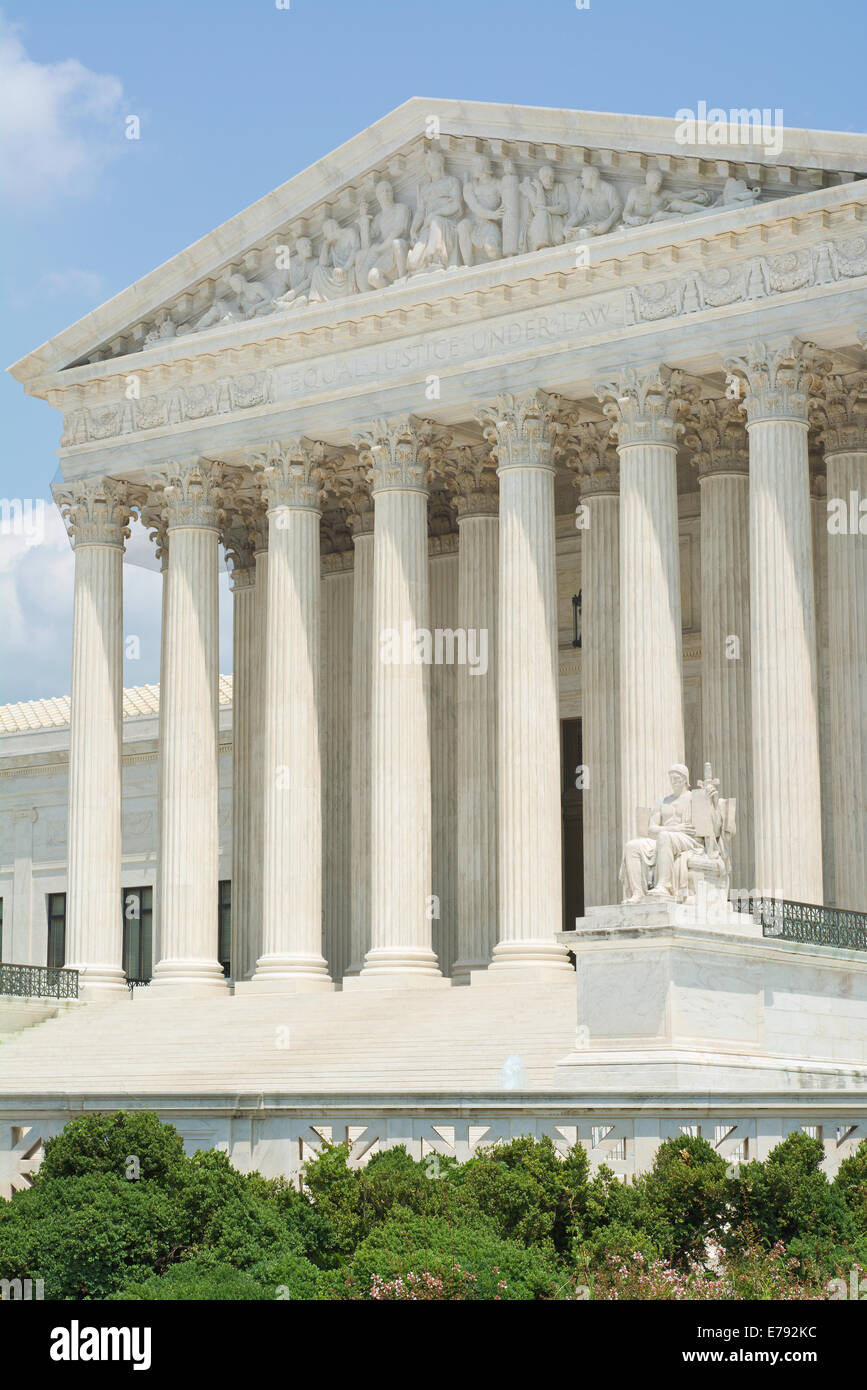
234	98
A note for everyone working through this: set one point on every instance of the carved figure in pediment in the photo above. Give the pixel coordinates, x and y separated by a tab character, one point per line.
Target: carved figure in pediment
646	201
246	300
596	206
481	230
510	196
547	207
335	275
434	229
164	327
384	260
737	194
301	265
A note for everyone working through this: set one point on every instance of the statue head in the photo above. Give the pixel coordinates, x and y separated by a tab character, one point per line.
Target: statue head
384	193
590	177
434	162
546	176
330	229
653	180
304	248
237	283
481	166
678	776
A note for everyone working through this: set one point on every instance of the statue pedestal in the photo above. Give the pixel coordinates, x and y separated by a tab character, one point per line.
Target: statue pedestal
674	998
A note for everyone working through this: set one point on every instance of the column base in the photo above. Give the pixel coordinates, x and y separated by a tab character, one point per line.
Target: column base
284	974
186	977
520	961
96	982
398	968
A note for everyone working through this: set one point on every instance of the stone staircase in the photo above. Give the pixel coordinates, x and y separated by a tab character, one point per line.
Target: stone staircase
396	1041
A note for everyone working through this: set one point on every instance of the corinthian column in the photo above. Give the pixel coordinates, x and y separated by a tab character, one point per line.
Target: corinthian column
473	481
521	429
96	511
642	406
189	752
358	502
292	881
717	437
399	452
844	436
786	787
246	663
598	478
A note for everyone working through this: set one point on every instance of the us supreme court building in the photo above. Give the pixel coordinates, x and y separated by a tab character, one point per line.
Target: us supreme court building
535	442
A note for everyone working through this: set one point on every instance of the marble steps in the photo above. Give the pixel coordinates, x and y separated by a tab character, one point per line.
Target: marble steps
401	1040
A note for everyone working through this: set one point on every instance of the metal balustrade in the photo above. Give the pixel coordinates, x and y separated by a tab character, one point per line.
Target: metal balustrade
38	982
807	922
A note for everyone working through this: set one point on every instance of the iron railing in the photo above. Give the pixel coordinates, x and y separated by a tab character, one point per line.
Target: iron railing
817	926
38	982
136	984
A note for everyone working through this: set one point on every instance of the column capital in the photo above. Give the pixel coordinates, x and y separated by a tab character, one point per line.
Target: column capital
239	538
643	404
779	378
840	410
154	517
353	488
591	455
470	475
294	473
95	511
522	430
193	493
401	453
716	436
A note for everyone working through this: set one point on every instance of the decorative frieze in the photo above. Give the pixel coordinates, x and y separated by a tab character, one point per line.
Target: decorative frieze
175	406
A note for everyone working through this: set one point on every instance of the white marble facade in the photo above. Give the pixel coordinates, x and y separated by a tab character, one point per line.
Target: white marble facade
478	359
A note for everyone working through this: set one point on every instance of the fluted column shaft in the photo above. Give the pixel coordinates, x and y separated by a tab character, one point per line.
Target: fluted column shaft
819	512
529	815
786	783
189	754
292	878
847	623
643	405
600	689
725	651
400	738
478	576
96	518
651	653
245	713
362	694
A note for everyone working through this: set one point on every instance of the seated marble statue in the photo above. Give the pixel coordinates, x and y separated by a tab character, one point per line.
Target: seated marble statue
382	259
654	865
687	839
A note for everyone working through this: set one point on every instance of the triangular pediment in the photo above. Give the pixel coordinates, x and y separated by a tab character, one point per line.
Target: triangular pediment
437	187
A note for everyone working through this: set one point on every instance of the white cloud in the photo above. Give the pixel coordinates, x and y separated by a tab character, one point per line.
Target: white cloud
60	124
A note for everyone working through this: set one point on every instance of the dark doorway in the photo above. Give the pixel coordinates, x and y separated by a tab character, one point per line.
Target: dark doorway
573	828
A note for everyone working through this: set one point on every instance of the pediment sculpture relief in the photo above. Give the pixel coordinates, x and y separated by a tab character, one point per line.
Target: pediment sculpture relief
683	841
488	212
